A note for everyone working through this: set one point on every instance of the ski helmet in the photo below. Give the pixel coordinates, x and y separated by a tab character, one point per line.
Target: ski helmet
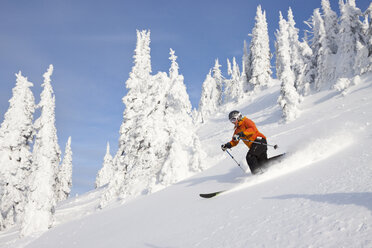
234	116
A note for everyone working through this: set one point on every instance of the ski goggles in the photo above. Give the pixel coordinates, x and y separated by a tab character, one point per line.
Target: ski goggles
233	120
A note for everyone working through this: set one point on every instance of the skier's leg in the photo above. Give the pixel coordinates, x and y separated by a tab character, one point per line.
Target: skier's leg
262	160
257	156
252	163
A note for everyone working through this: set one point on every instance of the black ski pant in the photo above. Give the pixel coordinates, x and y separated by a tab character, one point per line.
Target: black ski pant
257	155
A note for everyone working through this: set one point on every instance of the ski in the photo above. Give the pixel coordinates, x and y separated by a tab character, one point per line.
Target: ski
263	169
210	195
276	157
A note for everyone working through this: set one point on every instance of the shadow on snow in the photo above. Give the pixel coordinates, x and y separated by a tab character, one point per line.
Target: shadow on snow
363	199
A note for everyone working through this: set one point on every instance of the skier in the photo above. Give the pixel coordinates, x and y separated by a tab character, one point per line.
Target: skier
246	129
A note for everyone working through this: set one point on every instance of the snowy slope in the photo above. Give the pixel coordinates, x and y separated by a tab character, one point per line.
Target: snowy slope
320	195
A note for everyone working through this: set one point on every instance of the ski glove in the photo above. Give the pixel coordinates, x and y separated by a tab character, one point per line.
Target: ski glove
238	136
226	146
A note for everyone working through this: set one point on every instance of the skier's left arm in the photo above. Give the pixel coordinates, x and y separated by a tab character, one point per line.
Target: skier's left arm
248	132
245	135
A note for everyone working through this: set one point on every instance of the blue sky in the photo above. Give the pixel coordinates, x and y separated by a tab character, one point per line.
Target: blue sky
91	44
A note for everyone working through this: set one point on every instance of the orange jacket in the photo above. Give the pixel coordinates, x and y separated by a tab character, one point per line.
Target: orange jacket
249	129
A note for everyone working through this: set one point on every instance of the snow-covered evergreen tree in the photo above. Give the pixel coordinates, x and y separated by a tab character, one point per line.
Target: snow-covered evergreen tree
368	13
281	37
133	140
246	62
289	98
365	22
296	59
331	26
229	70
260	67
307	74
64	177
105	174
208	103
362	61
173	70
217	76
39	209
350	37
157	144
211	96
183	141
16	134
234	86
322	52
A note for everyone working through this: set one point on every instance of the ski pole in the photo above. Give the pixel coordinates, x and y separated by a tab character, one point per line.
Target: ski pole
234	160
260	143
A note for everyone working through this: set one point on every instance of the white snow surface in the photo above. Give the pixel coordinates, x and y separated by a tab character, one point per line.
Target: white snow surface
319	195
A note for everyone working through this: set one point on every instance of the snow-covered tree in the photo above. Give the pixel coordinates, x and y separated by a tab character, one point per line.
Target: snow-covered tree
64	177
183	141
368	13
234	86
330	26
133	140
322	52
218	78
173	70
362	61
260	67
229	68
363	58
282	49
211	96
365	22
246	62
157	144
208	103
16	134
105	174
39	209
296	59
307	74
349	37
289	98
